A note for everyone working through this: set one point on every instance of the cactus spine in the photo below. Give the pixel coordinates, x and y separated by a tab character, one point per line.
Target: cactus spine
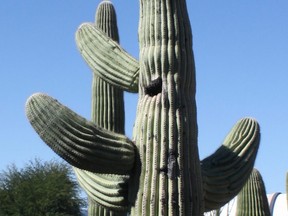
162	161
252	199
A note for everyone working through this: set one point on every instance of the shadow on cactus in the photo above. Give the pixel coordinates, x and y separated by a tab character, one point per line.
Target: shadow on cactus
161	162
252	199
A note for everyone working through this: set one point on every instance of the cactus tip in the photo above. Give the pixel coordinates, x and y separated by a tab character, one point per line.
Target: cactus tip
33	98
105	1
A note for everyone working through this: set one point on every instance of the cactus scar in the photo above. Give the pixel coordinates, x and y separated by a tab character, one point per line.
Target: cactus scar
154	88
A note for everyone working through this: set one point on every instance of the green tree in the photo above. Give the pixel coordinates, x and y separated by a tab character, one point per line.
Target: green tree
40	188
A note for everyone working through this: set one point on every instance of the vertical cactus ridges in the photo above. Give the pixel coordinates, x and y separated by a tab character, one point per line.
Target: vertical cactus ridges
106	20
96	209
160	172
226	171
107	100
166	130
107	106
252	199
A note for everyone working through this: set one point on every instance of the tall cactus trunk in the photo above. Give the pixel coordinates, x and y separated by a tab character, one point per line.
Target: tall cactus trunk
166	127
107	100
107	108
252	199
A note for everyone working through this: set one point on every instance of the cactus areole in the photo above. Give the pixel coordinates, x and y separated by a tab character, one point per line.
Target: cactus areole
158	172
166	130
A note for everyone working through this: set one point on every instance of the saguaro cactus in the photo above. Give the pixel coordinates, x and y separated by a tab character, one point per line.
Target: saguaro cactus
107	112
252	199
166	174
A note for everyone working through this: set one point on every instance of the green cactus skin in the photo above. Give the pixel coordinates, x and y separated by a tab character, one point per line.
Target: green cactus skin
252	199
166	130
106	19
123	68
79	141
166	178
226	171
107	101
95	209
107	106
106	192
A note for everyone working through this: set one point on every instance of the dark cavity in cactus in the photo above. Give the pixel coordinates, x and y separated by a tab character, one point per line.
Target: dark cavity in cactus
161	163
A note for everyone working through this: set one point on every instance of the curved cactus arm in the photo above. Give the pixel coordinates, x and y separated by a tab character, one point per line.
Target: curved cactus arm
77	140
109	191
226	171
107	58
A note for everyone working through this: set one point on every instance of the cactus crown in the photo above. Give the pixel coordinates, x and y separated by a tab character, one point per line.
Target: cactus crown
106	19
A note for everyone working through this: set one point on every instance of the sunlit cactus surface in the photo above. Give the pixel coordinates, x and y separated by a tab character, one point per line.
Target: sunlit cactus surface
158	171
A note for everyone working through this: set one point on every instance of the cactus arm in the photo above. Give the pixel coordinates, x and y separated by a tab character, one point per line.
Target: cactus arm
226	171
105	192
252	199
106	58
80	142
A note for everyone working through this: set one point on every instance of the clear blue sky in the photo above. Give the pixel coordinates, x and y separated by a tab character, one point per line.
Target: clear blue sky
241	52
